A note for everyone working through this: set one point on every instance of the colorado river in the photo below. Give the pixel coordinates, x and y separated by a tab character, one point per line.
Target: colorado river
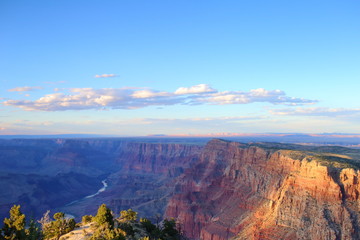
105	185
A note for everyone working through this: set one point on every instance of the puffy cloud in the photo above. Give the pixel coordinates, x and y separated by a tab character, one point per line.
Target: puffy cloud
105	75
24	89
197	89
132	98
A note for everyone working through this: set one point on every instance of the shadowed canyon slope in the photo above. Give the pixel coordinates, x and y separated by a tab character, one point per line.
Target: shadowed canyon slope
52	173
225	190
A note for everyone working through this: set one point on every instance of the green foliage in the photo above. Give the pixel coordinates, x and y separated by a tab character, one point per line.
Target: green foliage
86	219
14	227
145	238
151	228
169	230
58	227
332	160
337	162
59	216
128	215
105	232
71	225
127	227
104	216
33	232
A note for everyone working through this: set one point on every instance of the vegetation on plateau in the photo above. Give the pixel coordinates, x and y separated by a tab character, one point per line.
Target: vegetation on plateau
103	226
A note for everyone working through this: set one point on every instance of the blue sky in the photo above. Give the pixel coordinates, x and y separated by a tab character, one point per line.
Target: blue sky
136	68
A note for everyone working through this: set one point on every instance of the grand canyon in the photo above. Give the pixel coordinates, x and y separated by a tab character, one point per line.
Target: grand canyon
215	190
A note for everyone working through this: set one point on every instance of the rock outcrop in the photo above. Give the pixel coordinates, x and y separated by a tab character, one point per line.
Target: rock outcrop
239	191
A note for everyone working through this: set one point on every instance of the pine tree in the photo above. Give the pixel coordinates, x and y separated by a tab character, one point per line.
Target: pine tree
15	225
128	215
169	230
33	232
58	227
104	216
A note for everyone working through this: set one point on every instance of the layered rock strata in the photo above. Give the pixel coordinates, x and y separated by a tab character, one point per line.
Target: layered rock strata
139	174
238	191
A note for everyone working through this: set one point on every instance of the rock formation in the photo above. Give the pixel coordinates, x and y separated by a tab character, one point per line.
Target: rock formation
225	190
239	191
50	173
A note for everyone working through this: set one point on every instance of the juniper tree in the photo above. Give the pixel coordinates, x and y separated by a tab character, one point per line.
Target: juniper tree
14	227
104	216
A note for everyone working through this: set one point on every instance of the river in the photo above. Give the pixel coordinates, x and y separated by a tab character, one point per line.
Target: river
105	185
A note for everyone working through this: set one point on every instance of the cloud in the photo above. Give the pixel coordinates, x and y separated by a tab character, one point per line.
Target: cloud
149	94
318	111
197	89
255	95
105	75
203	120
24	89
132	98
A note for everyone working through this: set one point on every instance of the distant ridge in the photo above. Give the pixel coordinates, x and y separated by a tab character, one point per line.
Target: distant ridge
53	136
341	139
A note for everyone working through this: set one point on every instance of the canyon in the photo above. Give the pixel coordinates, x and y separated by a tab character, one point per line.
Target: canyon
57	174
218	190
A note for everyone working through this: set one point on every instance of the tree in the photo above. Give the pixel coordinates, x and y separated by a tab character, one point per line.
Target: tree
45	220
128	215
58	227
33	232
104	232
14	227
150	228
86	219
104	216
169	230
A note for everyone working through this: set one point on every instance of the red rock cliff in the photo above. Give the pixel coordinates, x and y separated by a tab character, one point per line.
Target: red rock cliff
157	158
237	191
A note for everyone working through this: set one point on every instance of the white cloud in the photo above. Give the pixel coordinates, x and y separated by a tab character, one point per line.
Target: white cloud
105	75
24	89
203	120
197	89
317	111
132	98
255	95
149	94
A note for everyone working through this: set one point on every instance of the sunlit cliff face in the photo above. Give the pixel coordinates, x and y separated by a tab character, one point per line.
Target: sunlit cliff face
243	192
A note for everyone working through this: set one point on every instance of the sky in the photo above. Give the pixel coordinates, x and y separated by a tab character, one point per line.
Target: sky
137	68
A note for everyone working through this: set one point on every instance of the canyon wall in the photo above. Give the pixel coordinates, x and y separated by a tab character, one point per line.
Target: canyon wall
225	190
239	191
42	174
144	180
